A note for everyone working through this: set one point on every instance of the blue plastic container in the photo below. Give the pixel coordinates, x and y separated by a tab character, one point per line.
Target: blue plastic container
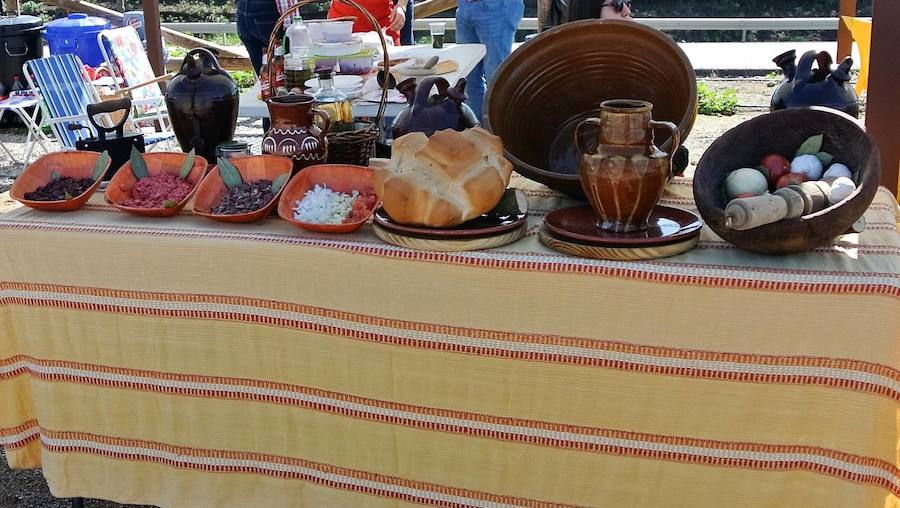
77	34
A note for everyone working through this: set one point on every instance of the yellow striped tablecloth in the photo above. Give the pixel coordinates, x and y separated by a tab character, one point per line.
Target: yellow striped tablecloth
185	363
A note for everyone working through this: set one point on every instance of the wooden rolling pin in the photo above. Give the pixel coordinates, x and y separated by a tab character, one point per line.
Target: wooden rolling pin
785	203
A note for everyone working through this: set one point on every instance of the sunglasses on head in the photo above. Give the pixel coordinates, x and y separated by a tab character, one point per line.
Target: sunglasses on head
617	4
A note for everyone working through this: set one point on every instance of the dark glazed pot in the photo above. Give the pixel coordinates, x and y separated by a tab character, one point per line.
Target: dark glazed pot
428	113
556	80
203	104
804	86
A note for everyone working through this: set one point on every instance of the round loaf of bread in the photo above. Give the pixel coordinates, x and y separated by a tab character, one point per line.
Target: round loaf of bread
444	180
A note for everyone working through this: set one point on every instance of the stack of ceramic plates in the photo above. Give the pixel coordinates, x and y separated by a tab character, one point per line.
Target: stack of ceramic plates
350	85
575	231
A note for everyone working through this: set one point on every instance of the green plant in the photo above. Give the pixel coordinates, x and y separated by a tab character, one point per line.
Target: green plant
717	103
244	79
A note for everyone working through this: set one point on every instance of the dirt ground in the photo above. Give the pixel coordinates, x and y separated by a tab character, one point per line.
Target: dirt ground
27	489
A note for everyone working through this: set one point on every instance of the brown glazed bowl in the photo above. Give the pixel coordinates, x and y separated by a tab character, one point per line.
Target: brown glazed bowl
255	167
344	178
544	89
72	164
783	132
119	188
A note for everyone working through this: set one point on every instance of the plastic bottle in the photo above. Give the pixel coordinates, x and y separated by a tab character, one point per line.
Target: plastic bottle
298	39
278	66
265	91
17	85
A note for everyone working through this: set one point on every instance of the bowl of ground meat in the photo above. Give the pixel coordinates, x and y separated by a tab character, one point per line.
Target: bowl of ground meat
162	193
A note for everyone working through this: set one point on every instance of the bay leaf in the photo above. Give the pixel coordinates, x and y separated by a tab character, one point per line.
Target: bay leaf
188	164
280	181
100	166
811	146
68	196
138	164
230	175
825	158
169	203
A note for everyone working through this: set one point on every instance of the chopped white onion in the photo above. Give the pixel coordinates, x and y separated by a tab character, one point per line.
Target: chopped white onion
321	205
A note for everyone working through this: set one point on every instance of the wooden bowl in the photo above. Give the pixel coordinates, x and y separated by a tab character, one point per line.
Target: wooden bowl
38	173
344	178
783	132
253	168
119	189
546	87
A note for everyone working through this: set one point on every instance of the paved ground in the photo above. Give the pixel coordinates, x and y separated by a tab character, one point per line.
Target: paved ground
27	489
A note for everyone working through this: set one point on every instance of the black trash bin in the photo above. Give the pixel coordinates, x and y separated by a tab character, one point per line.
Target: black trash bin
20	40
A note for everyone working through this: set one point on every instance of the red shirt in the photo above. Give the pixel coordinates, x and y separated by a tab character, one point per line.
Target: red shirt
379	9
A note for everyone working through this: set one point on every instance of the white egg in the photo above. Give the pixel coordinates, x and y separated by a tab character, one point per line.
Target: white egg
809	165
838	169
841	189
745	181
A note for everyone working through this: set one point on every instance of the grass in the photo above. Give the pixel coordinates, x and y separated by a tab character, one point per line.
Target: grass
717	103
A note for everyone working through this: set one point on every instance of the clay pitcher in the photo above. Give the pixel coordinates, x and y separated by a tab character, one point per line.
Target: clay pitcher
293	132
625	177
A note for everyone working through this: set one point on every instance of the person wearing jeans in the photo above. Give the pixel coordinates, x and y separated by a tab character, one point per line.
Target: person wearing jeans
255	23
494	24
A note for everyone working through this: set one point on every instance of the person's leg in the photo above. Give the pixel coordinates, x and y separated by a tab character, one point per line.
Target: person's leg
255	23
406	33
465	34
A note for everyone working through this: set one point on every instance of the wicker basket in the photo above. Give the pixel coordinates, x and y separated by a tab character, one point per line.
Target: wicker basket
349	147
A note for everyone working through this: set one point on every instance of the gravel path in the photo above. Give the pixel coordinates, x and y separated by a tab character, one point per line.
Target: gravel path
27	489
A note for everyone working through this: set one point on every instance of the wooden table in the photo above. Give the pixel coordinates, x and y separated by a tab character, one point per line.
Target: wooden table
181	362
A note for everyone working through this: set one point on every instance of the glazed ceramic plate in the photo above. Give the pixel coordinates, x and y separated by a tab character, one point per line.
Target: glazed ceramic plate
578	224
509	215
449	245
617	253
393	96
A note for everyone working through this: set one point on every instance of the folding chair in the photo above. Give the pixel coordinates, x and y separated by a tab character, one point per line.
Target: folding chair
65	92
124	53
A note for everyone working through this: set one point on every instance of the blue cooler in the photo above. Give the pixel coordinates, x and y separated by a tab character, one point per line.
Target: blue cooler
77	34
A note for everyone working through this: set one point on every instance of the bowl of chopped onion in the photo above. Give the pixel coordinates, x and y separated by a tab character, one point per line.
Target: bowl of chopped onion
329	198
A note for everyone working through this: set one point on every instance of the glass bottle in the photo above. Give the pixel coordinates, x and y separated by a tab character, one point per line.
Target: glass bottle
334	102
17	85
297	71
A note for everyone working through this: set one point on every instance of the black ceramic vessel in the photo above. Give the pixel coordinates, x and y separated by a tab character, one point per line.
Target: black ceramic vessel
203	104
804	86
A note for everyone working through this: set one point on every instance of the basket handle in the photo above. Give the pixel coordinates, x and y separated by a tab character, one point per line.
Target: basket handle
289	13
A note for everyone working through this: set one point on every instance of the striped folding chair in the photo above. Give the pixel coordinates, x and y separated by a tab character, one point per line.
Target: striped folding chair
124	53
65	92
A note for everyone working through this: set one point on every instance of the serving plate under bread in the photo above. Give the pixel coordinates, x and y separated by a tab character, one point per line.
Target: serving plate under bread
504	224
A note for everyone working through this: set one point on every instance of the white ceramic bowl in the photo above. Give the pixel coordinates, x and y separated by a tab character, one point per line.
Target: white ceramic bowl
337	31
338	48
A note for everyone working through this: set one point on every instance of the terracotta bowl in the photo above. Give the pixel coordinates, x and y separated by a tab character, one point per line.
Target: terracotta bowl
544	89
253	168
783	132
38	173
337	177
119	188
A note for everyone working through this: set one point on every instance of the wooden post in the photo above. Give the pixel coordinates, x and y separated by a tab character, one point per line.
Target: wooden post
845	41
12	7
154	36
883	103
